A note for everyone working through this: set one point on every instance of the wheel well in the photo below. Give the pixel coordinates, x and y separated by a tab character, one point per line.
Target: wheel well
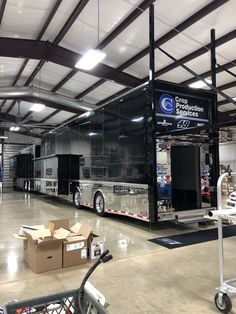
96	193
75	189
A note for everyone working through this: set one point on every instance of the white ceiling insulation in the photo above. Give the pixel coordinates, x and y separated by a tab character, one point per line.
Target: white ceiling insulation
78	30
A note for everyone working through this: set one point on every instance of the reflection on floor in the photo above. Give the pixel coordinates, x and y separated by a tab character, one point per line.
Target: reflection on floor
142	278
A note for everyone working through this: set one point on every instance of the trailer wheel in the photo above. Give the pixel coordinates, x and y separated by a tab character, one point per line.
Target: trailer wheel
25	187
28	187
99	204
77	198
225	305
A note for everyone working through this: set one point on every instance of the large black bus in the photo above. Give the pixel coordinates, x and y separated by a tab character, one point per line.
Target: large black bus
119	162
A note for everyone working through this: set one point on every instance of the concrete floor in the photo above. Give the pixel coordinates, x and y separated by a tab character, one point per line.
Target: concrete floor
142	278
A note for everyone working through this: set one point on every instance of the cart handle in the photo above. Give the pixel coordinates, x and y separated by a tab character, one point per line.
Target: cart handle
105	257
219	184
222	213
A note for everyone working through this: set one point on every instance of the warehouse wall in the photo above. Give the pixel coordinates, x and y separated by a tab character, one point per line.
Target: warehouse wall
228	154
12	146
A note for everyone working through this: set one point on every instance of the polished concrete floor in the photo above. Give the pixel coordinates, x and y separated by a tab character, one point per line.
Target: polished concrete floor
142	278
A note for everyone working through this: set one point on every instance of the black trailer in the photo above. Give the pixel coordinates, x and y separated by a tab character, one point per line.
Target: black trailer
125	164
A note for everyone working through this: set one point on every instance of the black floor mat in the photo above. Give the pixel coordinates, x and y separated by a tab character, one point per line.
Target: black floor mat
191	238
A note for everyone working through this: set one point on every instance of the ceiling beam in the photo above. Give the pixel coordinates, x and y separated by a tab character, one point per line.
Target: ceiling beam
220	41
33	49
213	5
41	33
110	98
12	119
125	23
50	116
27	115
106	41
227	113
222	102
195	54
3	6
220	69
49	19
227	86
79	7
70	119
27	133
2	10
8	117
70	21
64	80
11	107
90	89
64	122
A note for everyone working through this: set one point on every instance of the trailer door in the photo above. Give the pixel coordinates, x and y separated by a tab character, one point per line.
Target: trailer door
185	172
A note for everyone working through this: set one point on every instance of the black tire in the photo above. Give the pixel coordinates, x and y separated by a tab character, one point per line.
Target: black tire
99	204
77	198
225	306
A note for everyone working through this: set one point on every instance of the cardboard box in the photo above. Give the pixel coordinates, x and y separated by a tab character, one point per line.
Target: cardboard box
82	229
41	252
61	234
57	224
96	246
58	245
25	254
75	251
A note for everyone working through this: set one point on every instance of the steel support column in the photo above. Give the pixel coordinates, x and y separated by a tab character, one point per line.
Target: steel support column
214	148
151	125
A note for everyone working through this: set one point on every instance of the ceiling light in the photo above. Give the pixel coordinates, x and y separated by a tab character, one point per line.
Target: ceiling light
37	107
14	128
200	84
85	115
3	137
93	134
137	119
90	59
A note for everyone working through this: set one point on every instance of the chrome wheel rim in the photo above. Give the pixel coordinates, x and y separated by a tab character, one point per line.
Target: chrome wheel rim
99	203
221	305
77	198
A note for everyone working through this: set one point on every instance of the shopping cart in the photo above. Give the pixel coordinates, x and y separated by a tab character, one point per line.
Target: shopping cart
222	300
86	299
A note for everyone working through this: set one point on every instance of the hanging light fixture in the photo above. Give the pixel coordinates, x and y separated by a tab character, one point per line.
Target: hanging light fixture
18	118
93	56
90	59
37	107
14	128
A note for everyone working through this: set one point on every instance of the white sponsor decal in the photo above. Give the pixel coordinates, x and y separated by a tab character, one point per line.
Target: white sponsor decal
74	246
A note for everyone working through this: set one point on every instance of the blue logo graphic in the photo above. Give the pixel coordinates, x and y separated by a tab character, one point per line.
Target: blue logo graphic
167	103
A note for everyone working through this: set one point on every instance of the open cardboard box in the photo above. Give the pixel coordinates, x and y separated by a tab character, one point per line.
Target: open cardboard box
41	252
58	245
75	241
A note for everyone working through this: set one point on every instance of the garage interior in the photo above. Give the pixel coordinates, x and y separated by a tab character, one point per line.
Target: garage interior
41	43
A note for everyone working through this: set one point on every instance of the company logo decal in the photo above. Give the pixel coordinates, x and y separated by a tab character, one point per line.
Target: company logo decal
167	103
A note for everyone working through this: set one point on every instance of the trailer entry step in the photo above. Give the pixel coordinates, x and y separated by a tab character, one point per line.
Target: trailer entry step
191	220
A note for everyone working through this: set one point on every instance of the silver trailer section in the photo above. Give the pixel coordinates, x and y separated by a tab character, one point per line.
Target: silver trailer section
114	197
